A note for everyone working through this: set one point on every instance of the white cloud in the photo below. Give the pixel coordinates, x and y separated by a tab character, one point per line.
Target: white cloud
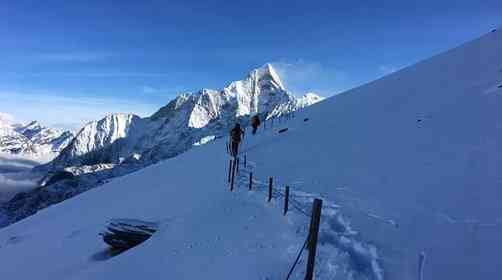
90	74
387	69
12	177
71	57
297	71
149	89
301	76
10	186
68	112
6	118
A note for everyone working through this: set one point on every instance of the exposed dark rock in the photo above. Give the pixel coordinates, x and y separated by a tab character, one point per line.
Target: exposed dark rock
123	234
58	176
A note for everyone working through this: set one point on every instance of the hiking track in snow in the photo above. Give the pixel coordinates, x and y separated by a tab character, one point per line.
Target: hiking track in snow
341	253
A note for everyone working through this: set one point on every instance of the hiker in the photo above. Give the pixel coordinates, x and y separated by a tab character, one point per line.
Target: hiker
235	136
255	123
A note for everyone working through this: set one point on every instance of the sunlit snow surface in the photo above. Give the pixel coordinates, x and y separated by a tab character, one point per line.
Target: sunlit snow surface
407	165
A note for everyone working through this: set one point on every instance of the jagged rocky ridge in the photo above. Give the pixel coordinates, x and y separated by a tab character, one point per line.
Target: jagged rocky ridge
32	140
123	143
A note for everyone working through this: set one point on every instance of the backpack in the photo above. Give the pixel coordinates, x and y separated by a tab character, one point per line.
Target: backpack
235	134
255	121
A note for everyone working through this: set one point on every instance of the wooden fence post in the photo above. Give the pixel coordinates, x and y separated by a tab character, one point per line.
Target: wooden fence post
250	180
313	234
269	189
286	201
229	171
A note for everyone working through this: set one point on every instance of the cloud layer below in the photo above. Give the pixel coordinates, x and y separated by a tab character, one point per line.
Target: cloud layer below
14	177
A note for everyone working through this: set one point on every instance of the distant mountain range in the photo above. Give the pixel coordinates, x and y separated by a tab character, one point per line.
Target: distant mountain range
181	123
119	144
32	139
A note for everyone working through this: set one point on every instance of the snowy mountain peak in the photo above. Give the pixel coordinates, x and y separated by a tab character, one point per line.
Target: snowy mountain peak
168	111
259	92
183	121
33	124
33	129
267	72
309	99
33	139
98	135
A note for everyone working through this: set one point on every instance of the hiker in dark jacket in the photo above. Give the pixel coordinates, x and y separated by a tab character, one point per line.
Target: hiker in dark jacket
255	123
235	136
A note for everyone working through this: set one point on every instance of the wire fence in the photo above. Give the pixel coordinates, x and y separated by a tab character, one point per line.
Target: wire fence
297	202
240	172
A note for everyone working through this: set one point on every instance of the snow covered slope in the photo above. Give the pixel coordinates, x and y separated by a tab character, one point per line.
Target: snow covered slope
123	143
206	232
408	163
413	159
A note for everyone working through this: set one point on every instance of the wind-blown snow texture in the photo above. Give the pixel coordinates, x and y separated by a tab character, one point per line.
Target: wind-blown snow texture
409	160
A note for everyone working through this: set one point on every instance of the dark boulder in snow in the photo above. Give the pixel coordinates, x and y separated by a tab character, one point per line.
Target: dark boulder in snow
123	234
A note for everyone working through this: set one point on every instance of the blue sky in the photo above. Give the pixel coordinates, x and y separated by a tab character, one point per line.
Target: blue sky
68	62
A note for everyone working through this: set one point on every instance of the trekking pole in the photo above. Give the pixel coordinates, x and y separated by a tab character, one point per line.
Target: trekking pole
233	176
269	189
230	171
286	201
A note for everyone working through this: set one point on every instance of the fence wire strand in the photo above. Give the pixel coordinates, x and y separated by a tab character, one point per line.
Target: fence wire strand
297	258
